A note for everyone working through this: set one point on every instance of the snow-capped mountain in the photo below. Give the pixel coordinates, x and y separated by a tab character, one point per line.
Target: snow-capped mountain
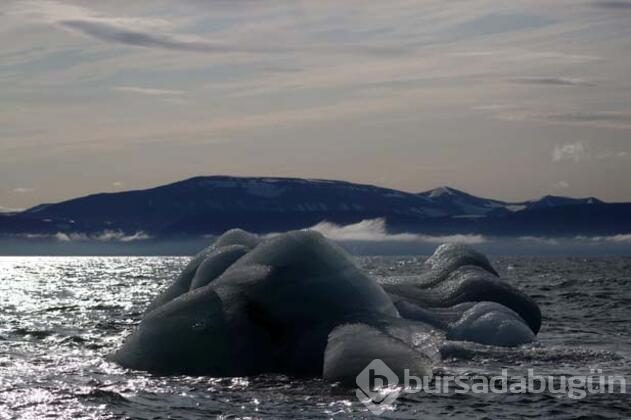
209	205
556	201
213	204
461	204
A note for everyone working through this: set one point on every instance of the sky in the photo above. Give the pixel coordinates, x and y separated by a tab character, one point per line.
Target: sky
510	100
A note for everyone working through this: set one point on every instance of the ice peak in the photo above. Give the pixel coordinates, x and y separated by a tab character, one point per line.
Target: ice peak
442	191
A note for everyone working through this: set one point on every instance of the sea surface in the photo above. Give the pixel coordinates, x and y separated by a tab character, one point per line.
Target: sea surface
60	317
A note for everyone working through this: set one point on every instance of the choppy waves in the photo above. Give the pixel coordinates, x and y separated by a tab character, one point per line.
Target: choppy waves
59	317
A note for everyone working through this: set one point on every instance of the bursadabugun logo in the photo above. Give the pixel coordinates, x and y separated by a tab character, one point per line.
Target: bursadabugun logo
378	387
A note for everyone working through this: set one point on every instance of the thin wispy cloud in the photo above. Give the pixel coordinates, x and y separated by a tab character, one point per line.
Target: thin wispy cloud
114	33
572	151
159	33
436	84
608	154
578	151
23	190
9	210
552	81
47	11
617	120
617	238
561	185
607	119
494	107
615	116
148	32
520	55
615	5
540	240
148	91
105	236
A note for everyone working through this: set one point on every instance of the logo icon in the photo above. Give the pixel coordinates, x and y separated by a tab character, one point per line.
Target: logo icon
378	387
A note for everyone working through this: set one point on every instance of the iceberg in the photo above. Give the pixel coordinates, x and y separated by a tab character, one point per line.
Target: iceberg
457	274
297	304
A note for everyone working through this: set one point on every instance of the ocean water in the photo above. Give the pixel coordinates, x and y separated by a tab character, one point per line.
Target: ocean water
60	317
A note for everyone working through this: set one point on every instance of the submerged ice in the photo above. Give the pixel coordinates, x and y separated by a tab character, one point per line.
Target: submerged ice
297	304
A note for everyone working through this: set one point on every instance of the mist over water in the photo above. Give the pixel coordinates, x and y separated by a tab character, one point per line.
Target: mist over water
397	244
60	317
367	237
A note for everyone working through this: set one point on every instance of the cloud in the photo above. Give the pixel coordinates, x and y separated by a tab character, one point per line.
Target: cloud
22	190
109	235
494	107
524	55
618	238
46	11
374	230
612	155
619	120
616	5
148	91
133	31
92	23
65	237
593	116
105	236
623	237
606	119
9	210
307	83
539	239
366	230
570	151
561	185
552	81
114	33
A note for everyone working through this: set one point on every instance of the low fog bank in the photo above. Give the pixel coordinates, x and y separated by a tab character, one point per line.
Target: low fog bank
500	247
368	237
188	247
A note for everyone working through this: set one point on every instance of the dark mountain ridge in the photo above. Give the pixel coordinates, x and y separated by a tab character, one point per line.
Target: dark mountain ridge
210	205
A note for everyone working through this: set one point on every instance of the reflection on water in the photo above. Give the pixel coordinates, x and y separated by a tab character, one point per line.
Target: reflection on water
59	317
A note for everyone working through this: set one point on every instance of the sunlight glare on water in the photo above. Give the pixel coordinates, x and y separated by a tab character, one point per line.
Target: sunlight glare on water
61	316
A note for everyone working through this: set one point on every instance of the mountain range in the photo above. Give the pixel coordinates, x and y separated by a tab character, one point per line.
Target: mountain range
213	204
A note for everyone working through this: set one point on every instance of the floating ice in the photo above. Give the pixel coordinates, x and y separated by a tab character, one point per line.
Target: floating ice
449	257
491	323
458	274
297	304
352	347
216	258
467	284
